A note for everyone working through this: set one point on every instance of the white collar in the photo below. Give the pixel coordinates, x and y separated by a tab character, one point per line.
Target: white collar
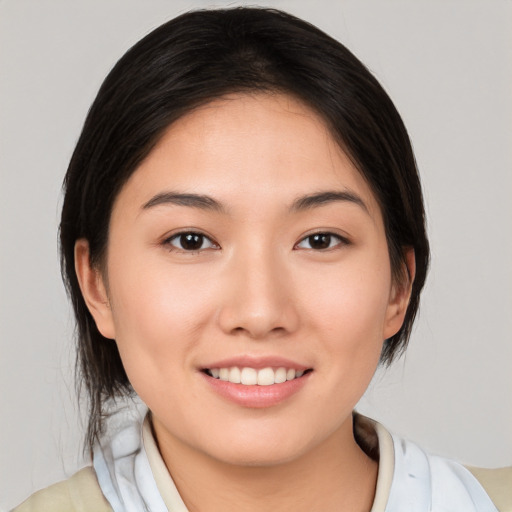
133	476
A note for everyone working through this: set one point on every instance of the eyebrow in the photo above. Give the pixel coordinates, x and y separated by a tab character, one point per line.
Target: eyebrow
330	196
205	202
193	200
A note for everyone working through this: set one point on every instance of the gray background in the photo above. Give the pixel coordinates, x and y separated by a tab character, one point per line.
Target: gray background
448	67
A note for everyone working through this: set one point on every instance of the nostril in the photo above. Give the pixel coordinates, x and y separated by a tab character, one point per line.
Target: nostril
256	333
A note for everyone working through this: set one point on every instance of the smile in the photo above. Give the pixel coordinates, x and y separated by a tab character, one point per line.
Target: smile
258	388
255	377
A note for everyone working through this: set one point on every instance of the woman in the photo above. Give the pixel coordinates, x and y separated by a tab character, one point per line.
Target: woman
243	242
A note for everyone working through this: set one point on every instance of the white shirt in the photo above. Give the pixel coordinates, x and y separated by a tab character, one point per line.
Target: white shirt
134	478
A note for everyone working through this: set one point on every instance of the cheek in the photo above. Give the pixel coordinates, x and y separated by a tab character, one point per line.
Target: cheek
158	317
351	302
151	294
348	309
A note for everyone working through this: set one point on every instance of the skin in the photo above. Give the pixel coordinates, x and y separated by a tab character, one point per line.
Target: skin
256	287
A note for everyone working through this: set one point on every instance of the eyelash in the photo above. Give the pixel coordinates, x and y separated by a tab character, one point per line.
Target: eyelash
329	237
323	237
181	238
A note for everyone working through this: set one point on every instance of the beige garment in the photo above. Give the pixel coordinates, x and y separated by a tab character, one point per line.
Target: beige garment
497	484
81	492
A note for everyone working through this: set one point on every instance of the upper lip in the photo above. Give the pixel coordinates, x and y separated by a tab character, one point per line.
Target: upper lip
256	362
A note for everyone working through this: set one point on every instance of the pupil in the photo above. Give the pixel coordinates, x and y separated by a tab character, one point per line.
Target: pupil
191	241
320	241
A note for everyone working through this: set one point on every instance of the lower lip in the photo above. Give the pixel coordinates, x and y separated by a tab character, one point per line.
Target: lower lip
257	396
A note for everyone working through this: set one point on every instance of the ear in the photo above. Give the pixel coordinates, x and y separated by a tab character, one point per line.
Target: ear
400	295
93	290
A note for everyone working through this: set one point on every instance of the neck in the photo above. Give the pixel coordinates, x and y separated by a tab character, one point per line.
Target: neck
333	476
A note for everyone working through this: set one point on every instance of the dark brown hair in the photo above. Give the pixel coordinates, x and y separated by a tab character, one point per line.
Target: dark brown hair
194	59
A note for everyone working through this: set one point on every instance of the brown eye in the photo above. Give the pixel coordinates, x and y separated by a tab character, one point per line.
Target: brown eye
191	242
321	241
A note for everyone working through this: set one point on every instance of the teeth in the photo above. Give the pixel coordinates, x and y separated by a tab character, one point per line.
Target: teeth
266	377
249	376
280	376
252	377
234	375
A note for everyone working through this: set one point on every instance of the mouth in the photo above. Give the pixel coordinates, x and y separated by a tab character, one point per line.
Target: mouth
248	376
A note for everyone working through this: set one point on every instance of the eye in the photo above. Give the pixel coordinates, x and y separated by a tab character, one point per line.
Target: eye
321	241
190	241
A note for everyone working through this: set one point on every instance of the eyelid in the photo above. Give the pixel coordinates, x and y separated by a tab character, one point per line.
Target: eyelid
168	239
342	240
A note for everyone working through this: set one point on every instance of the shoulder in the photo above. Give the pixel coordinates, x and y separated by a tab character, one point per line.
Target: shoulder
411	479
81	493
444	484
498	485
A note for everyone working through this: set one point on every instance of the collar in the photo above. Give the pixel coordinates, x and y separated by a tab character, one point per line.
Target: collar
133	476
373	438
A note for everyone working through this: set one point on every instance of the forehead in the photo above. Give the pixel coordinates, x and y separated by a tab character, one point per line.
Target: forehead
262	147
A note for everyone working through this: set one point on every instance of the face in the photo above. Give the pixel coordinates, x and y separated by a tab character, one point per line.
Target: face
246	250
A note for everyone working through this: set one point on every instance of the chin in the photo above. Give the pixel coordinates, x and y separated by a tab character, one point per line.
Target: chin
247	457
260	449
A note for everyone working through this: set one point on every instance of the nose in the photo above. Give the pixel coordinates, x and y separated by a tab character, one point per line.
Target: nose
258	299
